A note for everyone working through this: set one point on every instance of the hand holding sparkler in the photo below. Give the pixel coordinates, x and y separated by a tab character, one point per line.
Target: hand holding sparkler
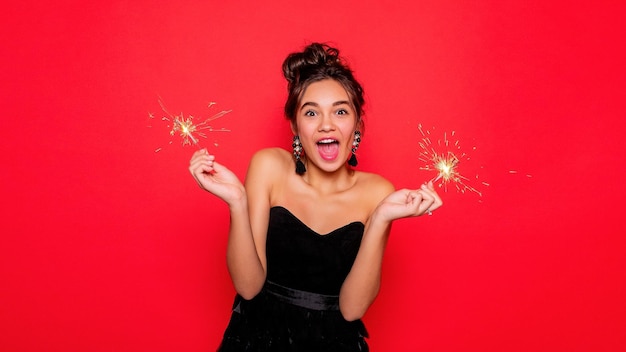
407	203
215	177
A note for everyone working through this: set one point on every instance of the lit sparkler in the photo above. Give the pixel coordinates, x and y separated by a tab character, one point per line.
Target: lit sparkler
444	158
189	132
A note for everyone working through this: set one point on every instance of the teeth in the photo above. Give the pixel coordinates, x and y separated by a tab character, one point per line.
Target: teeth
326	141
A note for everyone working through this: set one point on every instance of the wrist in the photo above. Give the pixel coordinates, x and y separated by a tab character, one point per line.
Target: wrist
238	203
378	222
379	216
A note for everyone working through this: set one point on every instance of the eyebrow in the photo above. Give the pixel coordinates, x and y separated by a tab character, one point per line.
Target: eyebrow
337	103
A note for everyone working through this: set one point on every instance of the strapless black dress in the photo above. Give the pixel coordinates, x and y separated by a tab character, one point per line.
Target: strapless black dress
298	308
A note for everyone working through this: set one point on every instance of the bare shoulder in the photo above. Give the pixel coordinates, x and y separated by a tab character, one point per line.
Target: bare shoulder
375	186
269	162
265	173
271	157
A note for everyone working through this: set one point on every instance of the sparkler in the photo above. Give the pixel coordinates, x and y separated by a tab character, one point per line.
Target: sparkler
444	158
189	132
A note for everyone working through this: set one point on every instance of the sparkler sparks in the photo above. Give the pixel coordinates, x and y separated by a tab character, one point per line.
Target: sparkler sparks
189	132
513	172
444	158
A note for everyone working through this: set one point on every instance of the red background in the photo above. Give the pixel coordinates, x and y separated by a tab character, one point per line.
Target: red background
109	246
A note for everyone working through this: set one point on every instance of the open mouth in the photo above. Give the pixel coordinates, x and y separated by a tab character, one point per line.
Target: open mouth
328	148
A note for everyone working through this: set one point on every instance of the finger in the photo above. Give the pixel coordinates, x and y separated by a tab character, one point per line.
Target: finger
198	161
430	187
206	167
413	197
198	157
198	153
430	190
437	201
428	200
201	168
419	202
427	193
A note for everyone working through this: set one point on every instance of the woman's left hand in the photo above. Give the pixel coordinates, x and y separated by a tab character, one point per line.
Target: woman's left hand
406	203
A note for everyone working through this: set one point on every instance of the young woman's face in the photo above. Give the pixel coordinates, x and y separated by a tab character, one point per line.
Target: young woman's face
326	122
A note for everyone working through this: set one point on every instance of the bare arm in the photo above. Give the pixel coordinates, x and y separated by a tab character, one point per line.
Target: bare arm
242	258
363	282
245	253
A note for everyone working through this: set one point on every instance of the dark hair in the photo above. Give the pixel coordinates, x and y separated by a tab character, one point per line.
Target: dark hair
315	63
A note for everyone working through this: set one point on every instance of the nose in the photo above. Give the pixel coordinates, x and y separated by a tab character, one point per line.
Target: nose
326	123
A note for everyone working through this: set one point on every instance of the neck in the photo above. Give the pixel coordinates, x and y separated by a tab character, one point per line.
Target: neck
329	182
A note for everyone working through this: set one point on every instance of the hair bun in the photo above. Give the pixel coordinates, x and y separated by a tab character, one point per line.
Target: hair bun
315	63
314	55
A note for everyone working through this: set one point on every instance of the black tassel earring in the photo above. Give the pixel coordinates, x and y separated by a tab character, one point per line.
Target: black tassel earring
355	145
297	150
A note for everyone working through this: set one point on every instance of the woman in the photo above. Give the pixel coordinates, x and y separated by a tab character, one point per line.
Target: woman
307	231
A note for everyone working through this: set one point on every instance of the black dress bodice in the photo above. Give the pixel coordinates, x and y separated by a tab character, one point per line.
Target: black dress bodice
303	259
298	309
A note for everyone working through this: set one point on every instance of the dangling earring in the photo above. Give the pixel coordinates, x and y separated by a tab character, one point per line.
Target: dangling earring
355	145
297	150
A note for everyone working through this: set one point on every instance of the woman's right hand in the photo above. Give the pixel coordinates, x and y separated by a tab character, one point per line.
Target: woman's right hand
216	178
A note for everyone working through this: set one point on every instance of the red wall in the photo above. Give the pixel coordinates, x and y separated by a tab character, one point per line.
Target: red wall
109	246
